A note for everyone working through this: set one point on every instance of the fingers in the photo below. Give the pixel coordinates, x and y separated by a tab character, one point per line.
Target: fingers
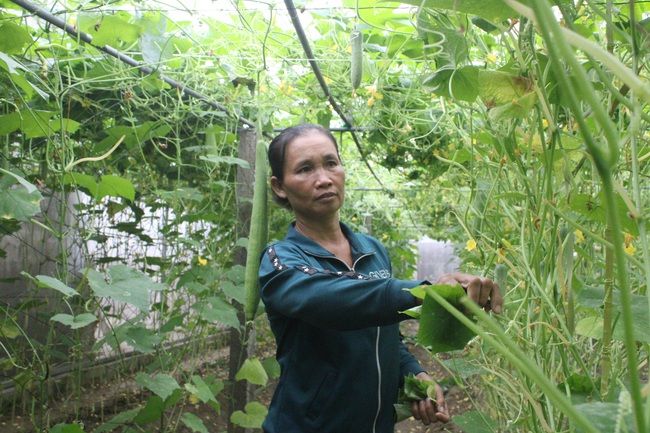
429	412
483	291
442	413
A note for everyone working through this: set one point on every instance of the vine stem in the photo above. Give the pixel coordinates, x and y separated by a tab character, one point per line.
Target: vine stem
604	160
506	347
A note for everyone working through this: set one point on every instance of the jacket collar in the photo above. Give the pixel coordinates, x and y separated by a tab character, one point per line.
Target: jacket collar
359	246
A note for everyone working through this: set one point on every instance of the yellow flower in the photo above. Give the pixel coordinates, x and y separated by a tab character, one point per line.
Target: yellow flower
471	245
194	399
371	101
492	58
629	248
262	88
579	236
371	89
536	144
202	261
379	96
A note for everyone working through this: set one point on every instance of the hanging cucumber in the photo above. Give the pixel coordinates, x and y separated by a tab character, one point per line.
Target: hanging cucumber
356	58
257	235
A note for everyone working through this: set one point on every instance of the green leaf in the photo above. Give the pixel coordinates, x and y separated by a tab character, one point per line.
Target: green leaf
19	204
134	136
234	291
151	412
438	82
226	160
462	367
28	185
155	48
9	64
33	123
67	428
55	284
252	416
416	390
163	385
75	322
516	109
453	45
413	390
499	87
114	30
580	387
476	422
493	11
117	421
604	416
591	326
13	38
439	330
66	125
85	181
204	392
142	339
253	371
464	84
272	367
194	423
9	330
125	285
217	310
113	186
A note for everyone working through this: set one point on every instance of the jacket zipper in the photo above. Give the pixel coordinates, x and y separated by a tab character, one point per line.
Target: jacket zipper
351	269
374	424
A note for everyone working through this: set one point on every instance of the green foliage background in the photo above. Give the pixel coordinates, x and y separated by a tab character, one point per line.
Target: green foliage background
516	130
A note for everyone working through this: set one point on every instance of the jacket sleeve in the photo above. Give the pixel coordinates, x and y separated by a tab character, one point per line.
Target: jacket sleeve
408	362
292	287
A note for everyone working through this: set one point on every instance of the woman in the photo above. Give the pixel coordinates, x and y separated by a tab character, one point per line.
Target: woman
333	305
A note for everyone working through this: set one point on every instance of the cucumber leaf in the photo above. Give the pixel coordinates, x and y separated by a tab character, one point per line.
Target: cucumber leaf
439	330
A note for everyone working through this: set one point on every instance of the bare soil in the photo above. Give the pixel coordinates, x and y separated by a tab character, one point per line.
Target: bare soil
100	403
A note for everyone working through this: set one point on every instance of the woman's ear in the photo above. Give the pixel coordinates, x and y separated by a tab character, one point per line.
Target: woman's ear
277	187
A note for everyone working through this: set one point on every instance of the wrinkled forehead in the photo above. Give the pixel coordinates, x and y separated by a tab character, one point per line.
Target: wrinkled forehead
314	145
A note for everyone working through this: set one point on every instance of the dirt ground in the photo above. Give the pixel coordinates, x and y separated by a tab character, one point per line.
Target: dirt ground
100	403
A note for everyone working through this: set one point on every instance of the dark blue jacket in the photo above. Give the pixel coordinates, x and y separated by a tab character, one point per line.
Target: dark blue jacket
337	333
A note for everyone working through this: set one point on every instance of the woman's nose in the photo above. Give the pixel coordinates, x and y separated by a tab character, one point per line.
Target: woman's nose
323	177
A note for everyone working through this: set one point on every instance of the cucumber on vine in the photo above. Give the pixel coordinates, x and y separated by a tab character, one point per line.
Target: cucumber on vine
257	234
356	58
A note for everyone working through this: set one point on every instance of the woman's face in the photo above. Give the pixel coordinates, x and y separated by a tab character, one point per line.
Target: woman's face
314	179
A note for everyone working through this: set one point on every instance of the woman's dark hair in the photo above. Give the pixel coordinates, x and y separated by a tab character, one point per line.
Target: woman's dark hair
278	149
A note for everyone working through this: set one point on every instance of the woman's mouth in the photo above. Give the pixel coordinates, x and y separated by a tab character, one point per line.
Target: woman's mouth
326	195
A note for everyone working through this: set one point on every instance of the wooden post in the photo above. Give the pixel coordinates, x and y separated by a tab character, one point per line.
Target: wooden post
242	343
